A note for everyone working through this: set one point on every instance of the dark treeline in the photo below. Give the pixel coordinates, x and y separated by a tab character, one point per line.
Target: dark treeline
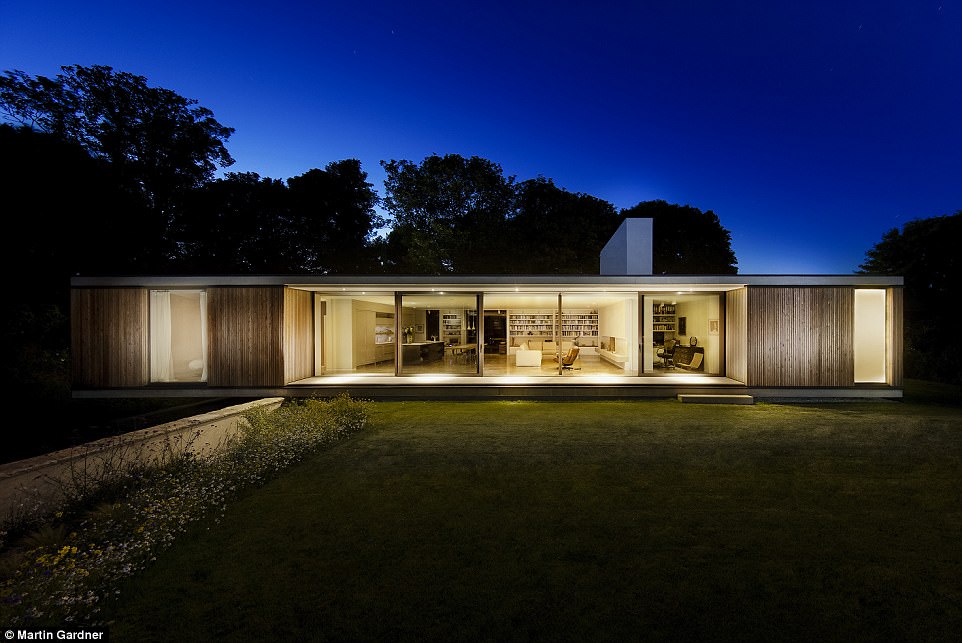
107	175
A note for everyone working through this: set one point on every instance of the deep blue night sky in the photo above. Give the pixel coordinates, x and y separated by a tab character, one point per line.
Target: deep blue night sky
810	128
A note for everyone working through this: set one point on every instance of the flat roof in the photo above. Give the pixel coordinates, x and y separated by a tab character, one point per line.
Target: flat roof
487	282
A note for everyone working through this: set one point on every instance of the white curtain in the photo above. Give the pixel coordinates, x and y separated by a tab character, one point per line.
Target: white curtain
161	358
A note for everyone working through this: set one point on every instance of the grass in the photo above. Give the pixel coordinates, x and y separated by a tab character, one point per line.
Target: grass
586	521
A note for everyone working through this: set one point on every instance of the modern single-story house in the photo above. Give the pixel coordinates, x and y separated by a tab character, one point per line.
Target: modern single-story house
623	333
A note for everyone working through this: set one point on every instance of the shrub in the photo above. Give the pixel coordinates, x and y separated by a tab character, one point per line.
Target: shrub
68	572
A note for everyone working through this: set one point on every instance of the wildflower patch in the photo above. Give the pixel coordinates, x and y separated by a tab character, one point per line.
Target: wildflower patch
73	567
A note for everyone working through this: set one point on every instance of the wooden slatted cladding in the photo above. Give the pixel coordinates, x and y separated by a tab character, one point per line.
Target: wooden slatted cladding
298	335
895	332
246	336
736	332
800	336
108	328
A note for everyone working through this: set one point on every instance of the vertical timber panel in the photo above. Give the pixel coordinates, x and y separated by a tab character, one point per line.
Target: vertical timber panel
246	343
298	335
736	333
800	336
895	332
108	333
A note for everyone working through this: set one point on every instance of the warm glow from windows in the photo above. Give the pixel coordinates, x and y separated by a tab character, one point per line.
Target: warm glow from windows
869	339
178	336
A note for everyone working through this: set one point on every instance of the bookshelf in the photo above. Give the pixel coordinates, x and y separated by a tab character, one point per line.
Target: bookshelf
451	326
663	318
541	323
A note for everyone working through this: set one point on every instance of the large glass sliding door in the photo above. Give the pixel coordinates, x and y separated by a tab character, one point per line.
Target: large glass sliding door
598	333
557	333
439	333
683	333
521	333
355	333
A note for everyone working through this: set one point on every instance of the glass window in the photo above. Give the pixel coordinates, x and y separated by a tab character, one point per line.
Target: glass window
178	336
869	337
520	332
355	333
439	334
598	333
685	334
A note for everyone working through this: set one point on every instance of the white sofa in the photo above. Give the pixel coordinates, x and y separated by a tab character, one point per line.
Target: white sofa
531	352
524	356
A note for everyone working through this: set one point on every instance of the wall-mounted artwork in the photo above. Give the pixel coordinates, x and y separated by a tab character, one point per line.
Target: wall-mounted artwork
682	325
712	326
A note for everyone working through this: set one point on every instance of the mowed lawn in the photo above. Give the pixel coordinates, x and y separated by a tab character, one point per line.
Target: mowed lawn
586	521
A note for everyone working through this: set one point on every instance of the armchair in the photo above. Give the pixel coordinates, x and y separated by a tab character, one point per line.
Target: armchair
568	359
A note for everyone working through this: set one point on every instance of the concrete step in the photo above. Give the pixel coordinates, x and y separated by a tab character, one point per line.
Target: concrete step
716	399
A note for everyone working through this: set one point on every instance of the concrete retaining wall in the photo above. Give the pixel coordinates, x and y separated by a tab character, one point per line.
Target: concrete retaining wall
35	484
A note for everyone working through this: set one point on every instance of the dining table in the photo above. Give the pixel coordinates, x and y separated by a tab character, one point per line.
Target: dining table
462	351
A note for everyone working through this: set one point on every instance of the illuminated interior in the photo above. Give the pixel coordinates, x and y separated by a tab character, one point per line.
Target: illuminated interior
686	332
178	336
869	335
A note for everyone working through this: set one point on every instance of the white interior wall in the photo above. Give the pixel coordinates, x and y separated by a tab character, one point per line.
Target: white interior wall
340	333
619	320
869	336
697	313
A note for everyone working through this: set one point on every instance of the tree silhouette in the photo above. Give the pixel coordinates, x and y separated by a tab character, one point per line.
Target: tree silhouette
924	252
333	216
448	214
686	240
318	223
569	229
159	144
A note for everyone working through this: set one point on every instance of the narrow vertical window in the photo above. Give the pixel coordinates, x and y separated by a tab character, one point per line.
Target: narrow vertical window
178	336
869	336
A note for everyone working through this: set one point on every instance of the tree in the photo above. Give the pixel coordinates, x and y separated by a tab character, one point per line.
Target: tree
448	214
319	222
237	224
570	229
332	212
158	143
64	214
924	252
686	240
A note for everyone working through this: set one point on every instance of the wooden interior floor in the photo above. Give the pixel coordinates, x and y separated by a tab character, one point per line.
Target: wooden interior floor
503	365
496	365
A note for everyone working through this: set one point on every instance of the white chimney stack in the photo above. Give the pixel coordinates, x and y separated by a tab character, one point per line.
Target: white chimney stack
629	251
